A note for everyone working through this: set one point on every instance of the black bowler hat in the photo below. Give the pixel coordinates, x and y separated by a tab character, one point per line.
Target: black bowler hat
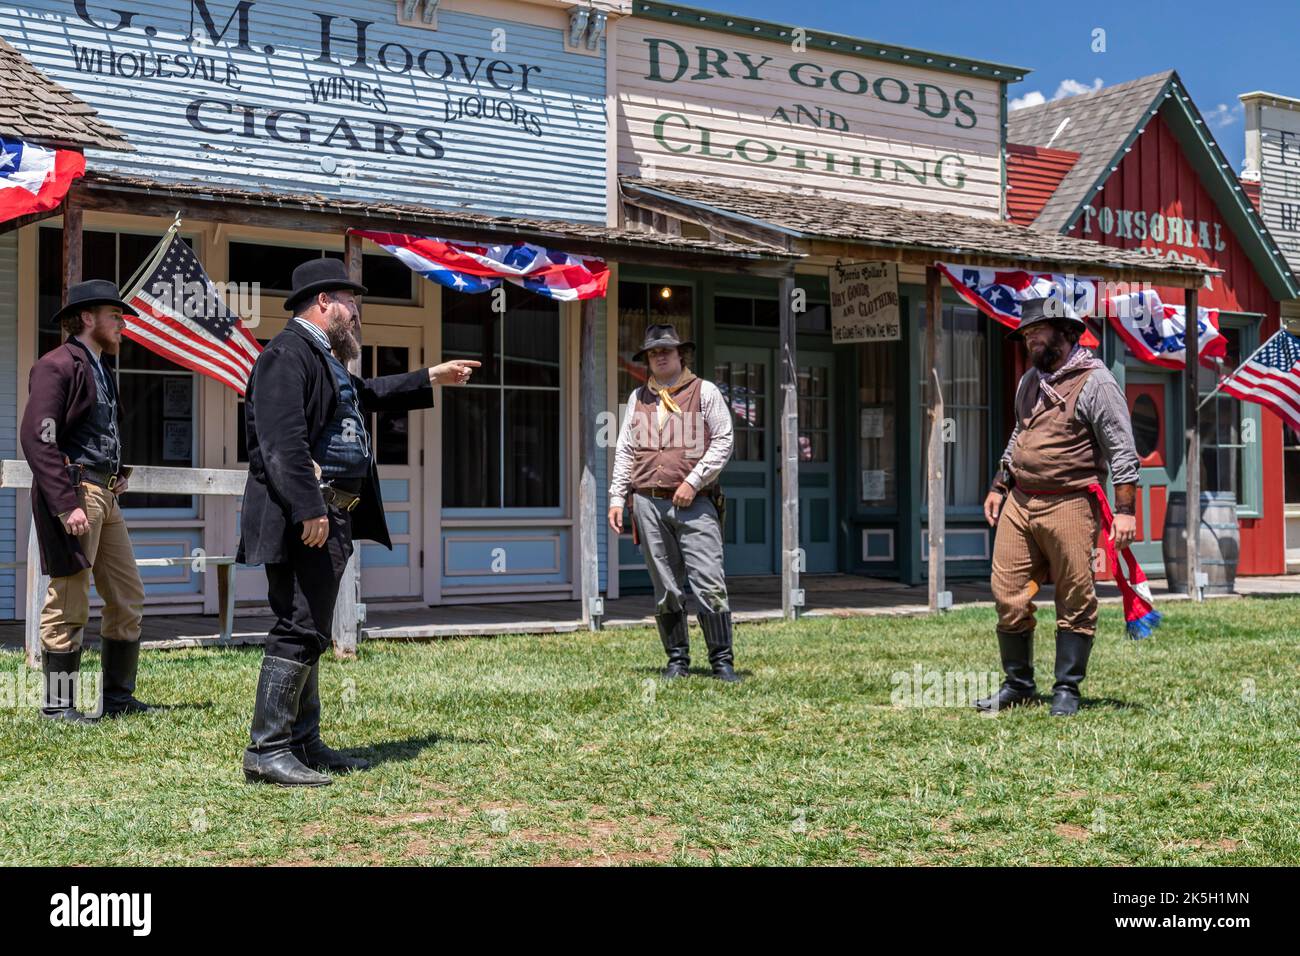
88	294
660	337
1046	309
319	275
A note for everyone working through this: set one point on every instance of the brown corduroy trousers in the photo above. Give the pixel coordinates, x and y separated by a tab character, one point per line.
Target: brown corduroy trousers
1042	534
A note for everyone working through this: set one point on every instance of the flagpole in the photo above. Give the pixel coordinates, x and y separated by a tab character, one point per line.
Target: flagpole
1228	378
152	259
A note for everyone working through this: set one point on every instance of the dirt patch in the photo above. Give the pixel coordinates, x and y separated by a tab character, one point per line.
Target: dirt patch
1069	831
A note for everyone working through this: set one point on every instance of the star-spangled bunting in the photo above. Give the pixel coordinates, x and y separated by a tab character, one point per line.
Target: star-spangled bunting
34	179
467	267
184	319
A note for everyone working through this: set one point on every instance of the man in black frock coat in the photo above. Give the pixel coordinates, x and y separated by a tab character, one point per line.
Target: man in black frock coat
312	489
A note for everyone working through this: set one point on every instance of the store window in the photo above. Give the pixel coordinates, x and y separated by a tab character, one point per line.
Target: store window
502	435
766	314
965	362
386	278
159	400
1225	452
643	304
877	412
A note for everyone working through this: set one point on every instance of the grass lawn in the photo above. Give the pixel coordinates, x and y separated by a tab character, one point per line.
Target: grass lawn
565	749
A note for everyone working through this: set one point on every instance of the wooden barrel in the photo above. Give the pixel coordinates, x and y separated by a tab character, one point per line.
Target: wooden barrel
1220	541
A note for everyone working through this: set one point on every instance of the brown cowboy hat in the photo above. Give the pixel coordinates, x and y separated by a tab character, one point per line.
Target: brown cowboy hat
660	337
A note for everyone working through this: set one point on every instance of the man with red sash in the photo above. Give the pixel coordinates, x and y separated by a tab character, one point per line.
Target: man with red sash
1047	502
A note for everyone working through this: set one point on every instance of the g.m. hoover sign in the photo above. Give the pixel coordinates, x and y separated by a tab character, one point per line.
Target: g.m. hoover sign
337	98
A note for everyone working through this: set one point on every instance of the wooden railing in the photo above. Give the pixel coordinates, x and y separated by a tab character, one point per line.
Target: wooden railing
176	481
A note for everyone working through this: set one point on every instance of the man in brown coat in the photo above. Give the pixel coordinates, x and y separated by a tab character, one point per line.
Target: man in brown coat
71	440
1072	426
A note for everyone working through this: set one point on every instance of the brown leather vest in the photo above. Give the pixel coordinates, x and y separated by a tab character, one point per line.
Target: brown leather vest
664	458
1054	451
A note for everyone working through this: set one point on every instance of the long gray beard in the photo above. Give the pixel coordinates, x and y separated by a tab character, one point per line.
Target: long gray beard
344	344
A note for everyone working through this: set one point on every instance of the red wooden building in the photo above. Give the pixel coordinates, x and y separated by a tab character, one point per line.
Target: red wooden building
1135	166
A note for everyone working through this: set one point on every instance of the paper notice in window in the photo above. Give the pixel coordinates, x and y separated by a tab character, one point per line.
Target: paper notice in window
873	423
873	486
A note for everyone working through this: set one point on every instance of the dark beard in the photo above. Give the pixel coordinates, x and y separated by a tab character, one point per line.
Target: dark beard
344	344
1047	358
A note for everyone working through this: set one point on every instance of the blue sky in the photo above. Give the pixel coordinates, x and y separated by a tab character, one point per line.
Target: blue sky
1220	49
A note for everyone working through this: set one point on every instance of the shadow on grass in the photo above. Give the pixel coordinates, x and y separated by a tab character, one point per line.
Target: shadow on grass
394	751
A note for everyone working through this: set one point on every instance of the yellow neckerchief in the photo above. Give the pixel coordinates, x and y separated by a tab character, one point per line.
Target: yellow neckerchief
666	403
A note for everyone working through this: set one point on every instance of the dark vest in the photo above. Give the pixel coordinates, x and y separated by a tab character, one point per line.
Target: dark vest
1055	451
95	442
342	449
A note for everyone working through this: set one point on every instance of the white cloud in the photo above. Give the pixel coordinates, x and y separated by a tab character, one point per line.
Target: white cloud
1032	98
1066	88
1223	115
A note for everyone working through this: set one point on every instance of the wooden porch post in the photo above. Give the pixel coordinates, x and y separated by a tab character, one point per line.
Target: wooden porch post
936	485
349	612
1192	424
588	518
792	557
71	241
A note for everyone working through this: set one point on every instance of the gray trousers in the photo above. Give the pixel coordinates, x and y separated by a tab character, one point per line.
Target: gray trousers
677	542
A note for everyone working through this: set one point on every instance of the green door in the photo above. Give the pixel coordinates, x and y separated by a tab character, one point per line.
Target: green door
816	470
747	378
744	376
1149	397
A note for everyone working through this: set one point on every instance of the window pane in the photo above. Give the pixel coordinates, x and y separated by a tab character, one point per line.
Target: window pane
98	261
965	391
471	447
272	266
641	305
1291	466
532	346
732	310
471	330
391	430
387	277
532	449
158	428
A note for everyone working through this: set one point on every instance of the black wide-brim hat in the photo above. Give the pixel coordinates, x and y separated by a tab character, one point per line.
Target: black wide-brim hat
1046	309
319	275
661	337
88	294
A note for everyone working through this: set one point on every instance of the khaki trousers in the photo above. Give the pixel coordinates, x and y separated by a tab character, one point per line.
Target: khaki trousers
107	547
1038	535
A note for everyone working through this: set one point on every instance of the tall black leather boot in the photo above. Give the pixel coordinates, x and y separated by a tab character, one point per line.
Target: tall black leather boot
59	672
1017	651
1072	652
716	626
674	631
305	739
120	661
269	758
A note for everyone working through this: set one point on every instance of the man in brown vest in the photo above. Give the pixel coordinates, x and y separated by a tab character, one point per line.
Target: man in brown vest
675	440
1072	422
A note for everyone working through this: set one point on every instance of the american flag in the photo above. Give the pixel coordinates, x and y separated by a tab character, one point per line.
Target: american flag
1271	377
184	319
998	293
466	267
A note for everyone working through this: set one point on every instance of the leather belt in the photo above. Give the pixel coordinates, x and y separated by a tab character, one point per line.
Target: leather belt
339	498
80	473
669	492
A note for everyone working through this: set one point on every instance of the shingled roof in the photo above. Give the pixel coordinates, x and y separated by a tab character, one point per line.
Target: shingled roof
803	215
1095	126
36	109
